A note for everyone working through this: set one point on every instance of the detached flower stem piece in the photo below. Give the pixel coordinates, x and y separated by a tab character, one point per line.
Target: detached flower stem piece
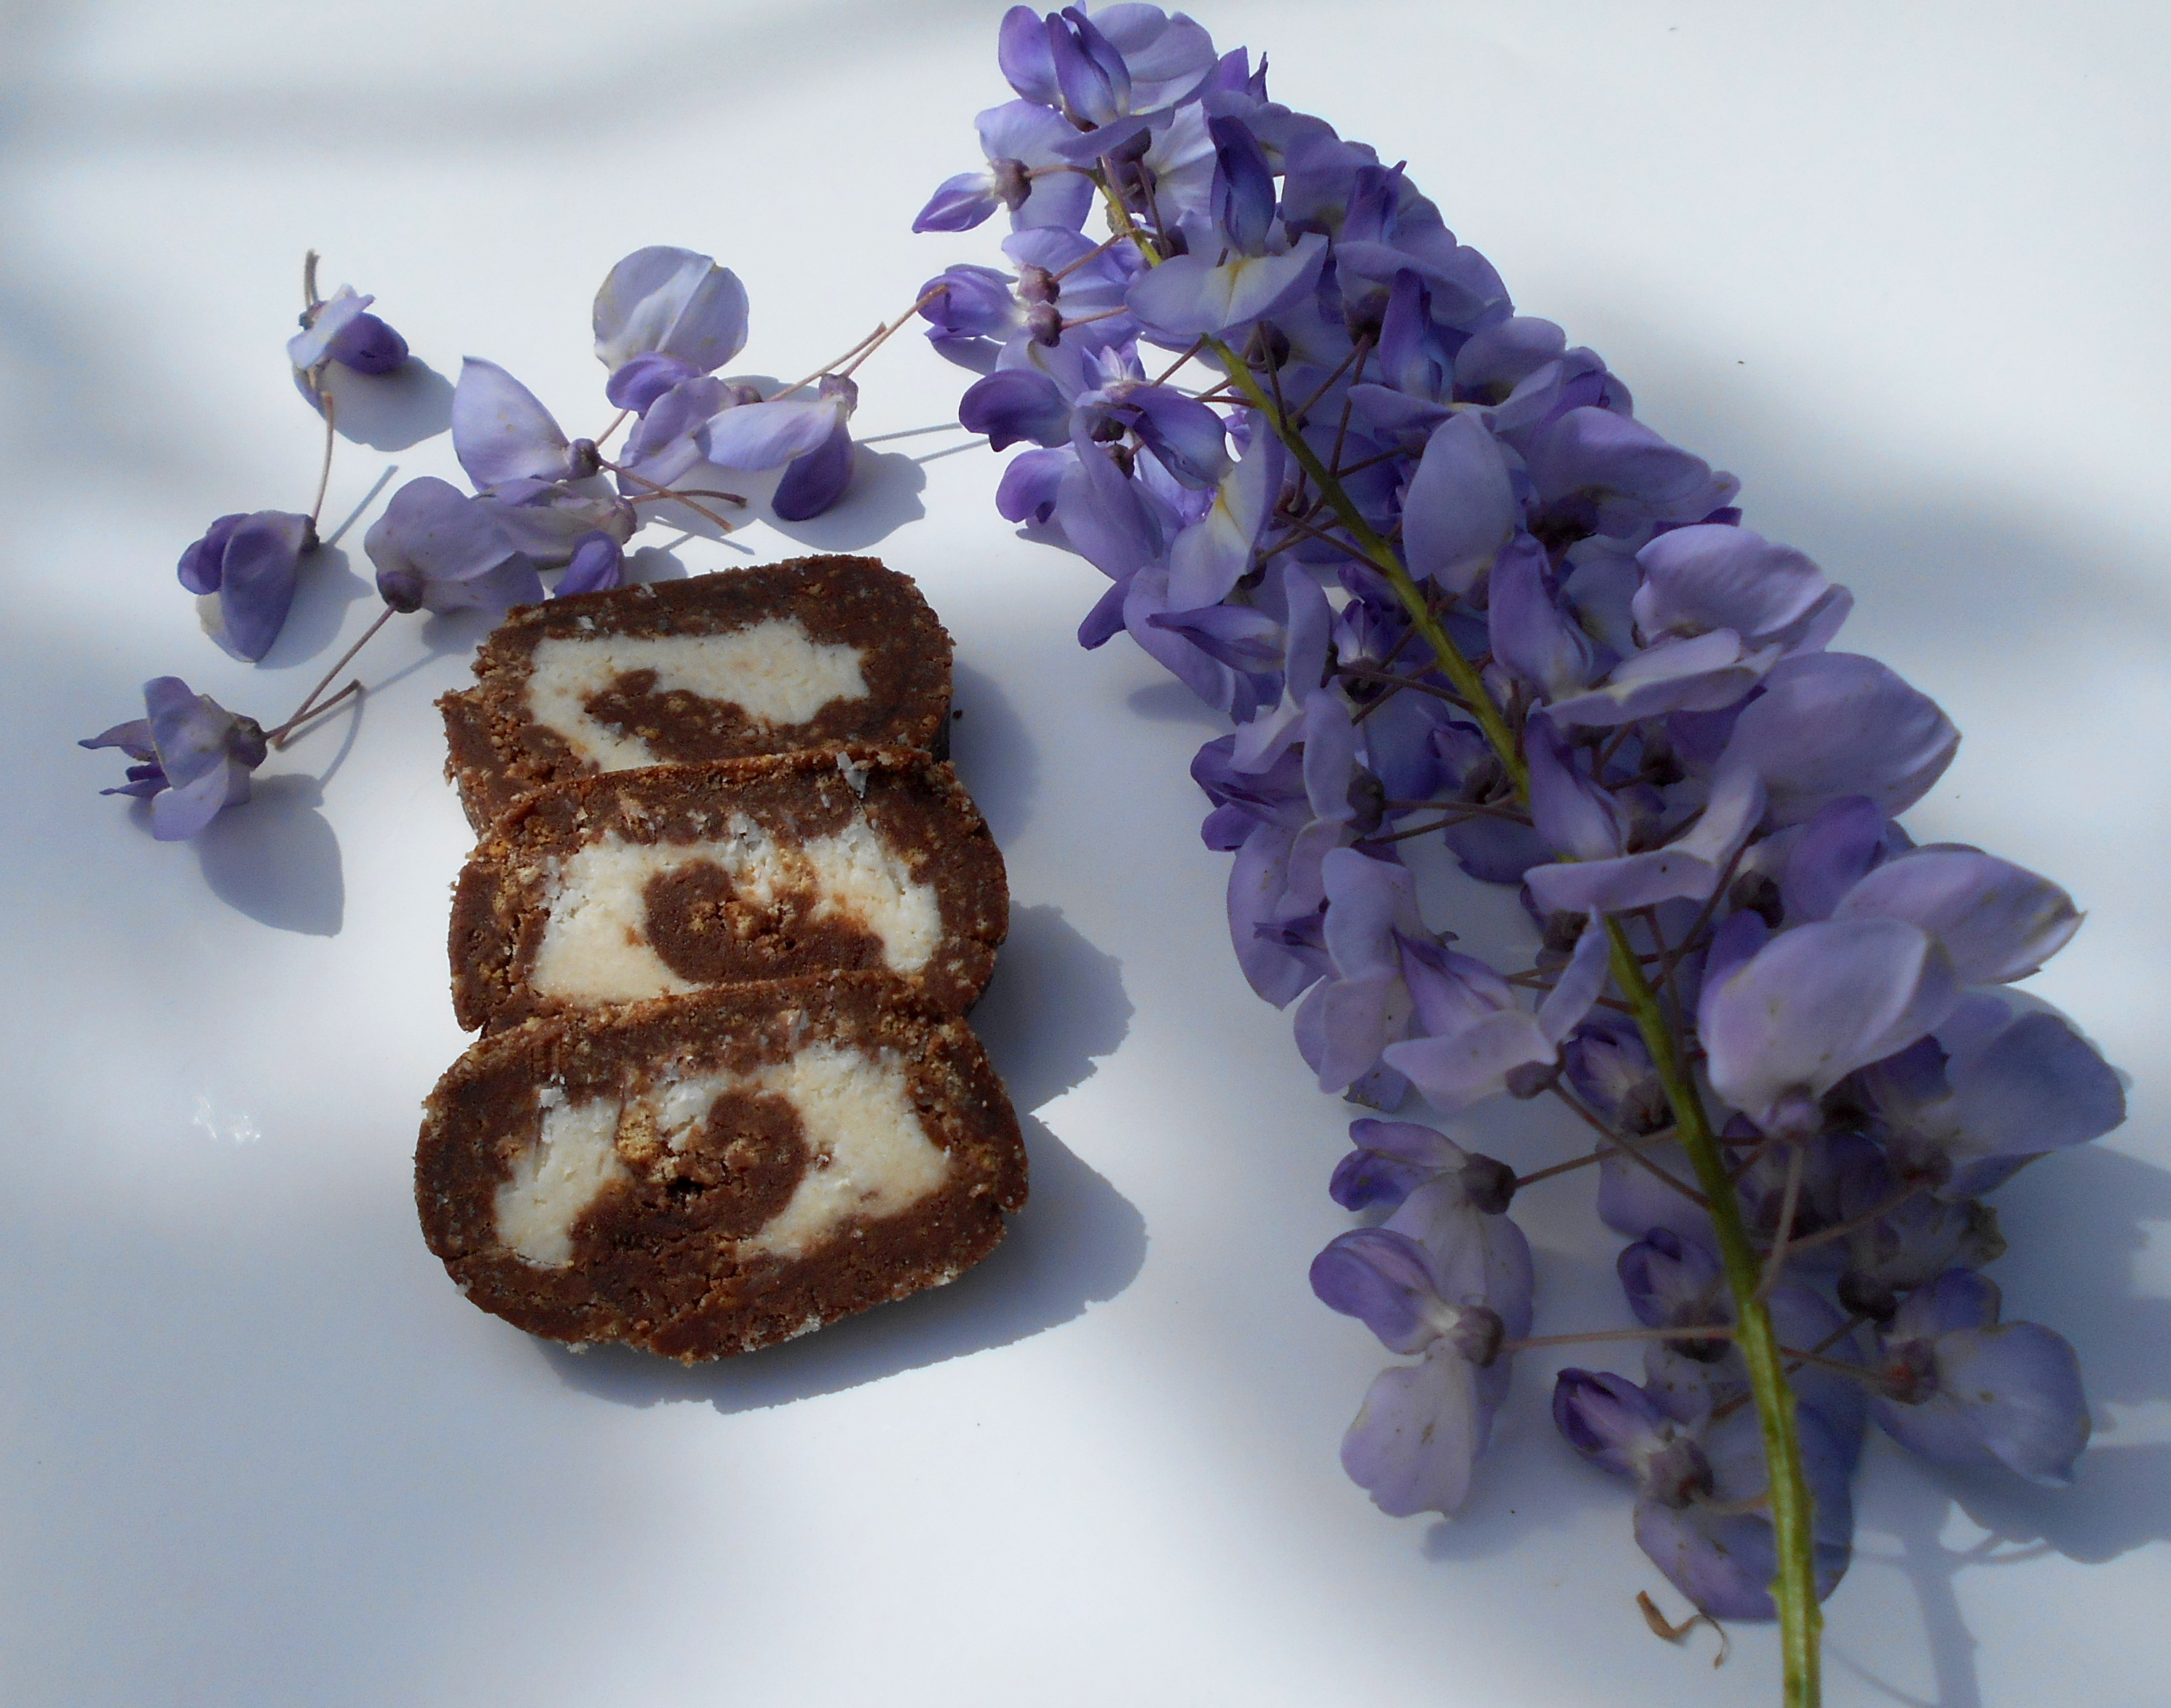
686	499
309	708
1801	1620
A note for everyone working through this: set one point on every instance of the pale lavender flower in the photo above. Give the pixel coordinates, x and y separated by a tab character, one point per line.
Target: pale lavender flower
193	757
437	549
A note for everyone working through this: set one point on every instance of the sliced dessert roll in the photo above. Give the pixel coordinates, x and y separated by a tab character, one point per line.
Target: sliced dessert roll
742	662
651	883
705	1175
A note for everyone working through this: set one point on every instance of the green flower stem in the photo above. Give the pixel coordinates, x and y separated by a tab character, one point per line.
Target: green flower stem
1800	1619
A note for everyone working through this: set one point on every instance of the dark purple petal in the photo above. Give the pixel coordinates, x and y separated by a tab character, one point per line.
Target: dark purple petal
1383	1280
814	482
1022	51
1014	404
1707	576
256	580
1531	635
643	379
202	563
597	565
1243	186
1576	817
366	344
1030	483
959	203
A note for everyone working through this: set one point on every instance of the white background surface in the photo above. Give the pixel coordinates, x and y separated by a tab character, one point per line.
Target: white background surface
1900	268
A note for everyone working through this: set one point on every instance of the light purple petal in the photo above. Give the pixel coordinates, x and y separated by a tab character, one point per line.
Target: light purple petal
1453	1072
673	302
1704	674
312	345
1419	1434
1459	510
501	431
1191	297
1997	921
769	435
1579	985
1689	867
1834	724
1708	576
1818	1001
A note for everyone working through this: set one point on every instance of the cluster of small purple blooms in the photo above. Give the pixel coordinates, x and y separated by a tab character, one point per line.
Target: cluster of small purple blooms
665	320
1446	586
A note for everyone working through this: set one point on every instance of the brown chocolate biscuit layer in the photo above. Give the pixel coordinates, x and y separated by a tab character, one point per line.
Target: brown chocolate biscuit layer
846	623
705	1174
641	884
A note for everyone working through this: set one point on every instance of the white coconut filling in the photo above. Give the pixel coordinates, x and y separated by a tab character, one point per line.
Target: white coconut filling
868	1156
596	946
573	1158
774	671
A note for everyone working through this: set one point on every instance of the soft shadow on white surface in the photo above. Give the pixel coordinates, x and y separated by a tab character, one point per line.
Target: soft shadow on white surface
1055	1004
326	588
277	859
389	411
995	758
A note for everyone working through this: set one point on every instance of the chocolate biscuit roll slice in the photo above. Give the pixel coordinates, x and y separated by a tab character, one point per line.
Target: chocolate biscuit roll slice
763	659
652	883
705	1175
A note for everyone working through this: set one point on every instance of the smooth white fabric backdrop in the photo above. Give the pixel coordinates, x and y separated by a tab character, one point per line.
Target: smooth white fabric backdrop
1902	273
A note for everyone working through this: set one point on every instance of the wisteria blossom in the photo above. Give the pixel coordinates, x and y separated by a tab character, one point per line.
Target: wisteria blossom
1446	584
193	758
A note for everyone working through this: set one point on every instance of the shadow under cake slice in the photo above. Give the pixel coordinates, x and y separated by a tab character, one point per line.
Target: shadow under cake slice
702	1176
652	883
761	660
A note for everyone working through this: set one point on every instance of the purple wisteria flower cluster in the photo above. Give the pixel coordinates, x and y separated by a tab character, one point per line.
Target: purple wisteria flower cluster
1448	588
664	321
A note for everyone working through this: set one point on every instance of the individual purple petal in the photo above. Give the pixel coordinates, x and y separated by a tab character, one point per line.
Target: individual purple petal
1577	819
1208	557
1671	1282
1459	510
1454	1072
1839	844
670	301
1112	521
1383	1280
1014	404
769	435
959	203
1577	988
133	738
1707	576
1095	82
1419	1431
812	483
1834	723
1243	186
1613	475
1236	636
1185	435
1021	50
366	344
637	383
967	301
1499	357
1530	635
1258	878
1815	1004
1030	481
597	565
1389	1158
501	432
1997	921
543	520
1168	58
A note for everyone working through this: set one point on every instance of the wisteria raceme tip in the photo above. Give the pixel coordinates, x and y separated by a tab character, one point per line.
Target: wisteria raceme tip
1446	585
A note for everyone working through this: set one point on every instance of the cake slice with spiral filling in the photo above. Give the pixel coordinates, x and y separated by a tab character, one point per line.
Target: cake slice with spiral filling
656	882
763	659
705	1175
